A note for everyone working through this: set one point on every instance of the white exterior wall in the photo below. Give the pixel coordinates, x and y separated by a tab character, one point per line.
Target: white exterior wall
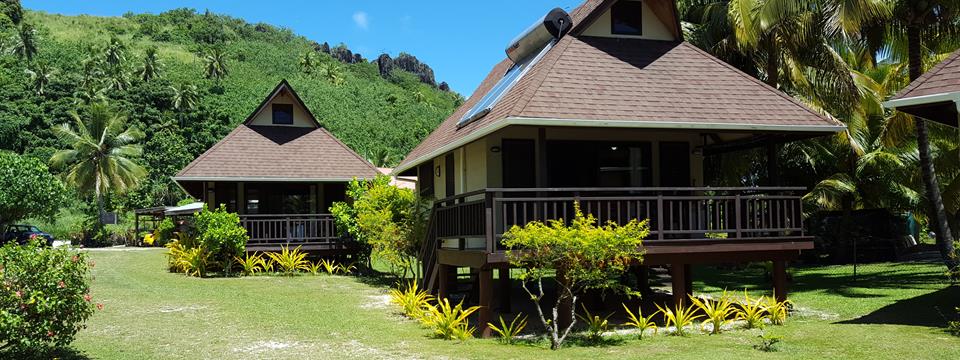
653	28
300	117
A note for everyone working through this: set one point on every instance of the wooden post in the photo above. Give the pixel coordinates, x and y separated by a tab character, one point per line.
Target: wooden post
485	314
643	280
443	281
780	279
688	279
136	225
679	283
505	287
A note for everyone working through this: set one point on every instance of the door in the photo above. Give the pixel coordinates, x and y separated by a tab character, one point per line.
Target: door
674	164
449	176
519	163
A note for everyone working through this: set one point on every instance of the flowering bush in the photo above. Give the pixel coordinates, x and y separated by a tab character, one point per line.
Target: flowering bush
44	296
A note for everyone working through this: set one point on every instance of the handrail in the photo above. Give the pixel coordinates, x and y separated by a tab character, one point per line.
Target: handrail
267	216
640	189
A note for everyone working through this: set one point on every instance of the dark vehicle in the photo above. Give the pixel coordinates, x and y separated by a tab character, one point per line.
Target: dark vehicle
23	233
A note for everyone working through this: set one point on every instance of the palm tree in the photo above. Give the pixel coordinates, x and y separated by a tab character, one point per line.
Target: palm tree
101	154
117	78
332	73
115	52
308	62
40	74
26	42
185	97
215	65
151	65
928	24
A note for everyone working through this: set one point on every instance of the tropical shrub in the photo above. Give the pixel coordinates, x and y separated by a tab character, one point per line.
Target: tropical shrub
164	233
27	189
680	317
587	255
596	325
387	220
449	322
289	262
220	235
315	268
45	296
413	300
174	254
769	343
752	311
640	322
778	310
328	266
507	332
717	312
194	261
953	327
251	263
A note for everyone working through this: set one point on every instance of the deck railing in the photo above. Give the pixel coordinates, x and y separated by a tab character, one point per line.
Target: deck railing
290	230
676	214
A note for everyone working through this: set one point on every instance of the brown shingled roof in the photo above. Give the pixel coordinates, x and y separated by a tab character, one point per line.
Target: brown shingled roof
278	153
942	78
629	82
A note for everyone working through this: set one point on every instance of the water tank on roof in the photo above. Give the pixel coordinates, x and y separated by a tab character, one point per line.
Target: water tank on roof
551	27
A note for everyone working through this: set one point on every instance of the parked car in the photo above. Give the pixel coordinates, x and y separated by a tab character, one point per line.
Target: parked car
23	233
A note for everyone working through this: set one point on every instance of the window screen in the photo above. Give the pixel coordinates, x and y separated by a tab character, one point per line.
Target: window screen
282	114
626	18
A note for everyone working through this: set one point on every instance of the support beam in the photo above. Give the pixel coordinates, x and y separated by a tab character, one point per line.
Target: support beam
679	282
443	280
485	314
688	279
780	279
642	273
504	289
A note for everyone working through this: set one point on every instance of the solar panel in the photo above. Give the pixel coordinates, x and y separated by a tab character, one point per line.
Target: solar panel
482	107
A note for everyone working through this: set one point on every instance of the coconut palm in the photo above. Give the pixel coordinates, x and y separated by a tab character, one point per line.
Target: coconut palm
332	72
215	65
101	153
151	65
185	97
25	45
115	53
117	78
928	25
308	62
40	74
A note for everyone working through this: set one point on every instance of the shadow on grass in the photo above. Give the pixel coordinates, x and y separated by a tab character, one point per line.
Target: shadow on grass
59	353
933	310
589	341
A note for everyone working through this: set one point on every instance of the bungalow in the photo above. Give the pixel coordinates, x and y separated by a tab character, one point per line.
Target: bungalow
609	106
280	170
935	95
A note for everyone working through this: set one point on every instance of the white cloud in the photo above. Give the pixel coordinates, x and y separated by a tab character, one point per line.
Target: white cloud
360	18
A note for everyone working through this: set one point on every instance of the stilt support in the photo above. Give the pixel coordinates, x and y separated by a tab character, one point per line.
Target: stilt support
780	279
485	314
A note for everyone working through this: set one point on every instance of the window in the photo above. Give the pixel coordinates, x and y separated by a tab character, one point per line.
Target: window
626	18
283	114
509	79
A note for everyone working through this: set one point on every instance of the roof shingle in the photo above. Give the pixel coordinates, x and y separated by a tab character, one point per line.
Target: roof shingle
942	78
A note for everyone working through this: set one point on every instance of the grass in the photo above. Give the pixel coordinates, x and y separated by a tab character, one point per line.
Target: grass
153	314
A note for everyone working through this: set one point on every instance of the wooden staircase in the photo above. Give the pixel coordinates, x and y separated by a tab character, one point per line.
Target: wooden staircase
428	255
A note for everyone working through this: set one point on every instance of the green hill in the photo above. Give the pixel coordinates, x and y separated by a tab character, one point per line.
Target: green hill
380	115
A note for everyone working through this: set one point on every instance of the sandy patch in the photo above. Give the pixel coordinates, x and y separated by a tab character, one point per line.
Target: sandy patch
376	302
174	309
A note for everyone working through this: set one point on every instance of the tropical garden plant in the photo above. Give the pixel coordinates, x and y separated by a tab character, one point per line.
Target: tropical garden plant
27	189
288	261
718	312
251	263
507	333
44	297
449	322
753	312
414	301
680	317
596	325
583	256
640	322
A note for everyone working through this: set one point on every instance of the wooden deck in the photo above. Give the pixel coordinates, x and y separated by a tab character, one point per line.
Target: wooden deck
315	233
687	226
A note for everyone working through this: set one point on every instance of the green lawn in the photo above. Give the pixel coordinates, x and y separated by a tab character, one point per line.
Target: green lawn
152	314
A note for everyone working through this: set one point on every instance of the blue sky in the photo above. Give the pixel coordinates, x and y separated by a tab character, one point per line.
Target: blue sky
460	40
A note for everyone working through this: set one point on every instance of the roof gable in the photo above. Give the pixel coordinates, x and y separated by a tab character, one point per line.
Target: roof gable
604	81
255	152
283	93
941	79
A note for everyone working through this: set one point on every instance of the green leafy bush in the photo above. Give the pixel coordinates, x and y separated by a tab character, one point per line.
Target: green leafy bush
589	256
219	233
164	232
27	189
387	220
45	297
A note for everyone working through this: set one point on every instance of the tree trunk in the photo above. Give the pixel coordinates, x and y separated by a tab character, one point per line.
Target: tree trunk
773	63
938	215
99	196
